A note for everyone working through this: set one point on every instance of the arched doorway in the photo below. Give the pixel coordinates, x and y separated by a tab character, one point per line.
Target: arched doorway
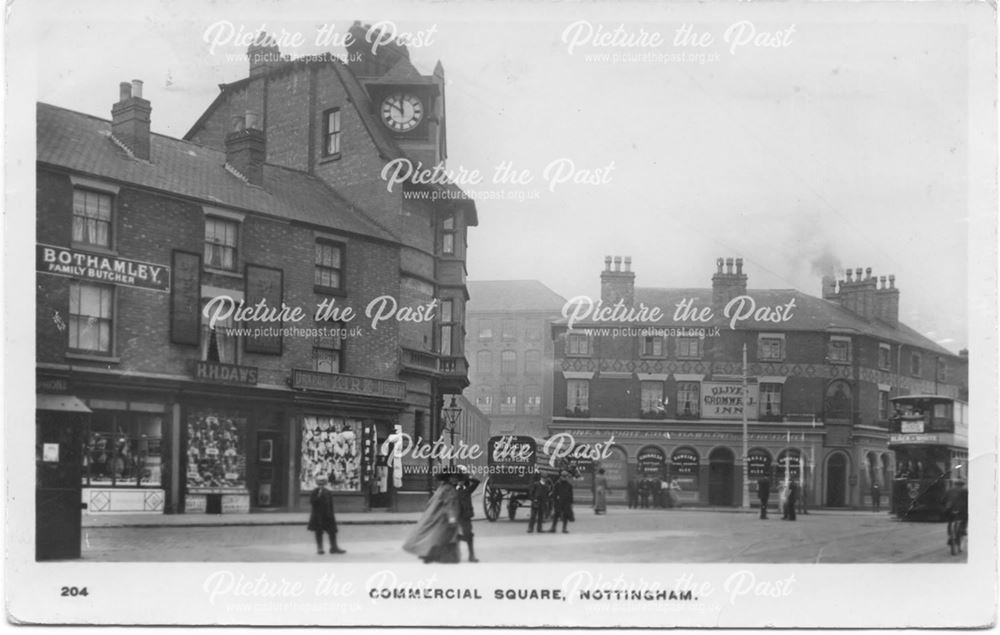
836	480
684	471
720	476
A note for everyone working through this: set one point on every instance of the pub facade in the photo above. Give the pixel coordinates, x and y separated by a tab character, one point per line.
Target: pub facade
811	377
235	324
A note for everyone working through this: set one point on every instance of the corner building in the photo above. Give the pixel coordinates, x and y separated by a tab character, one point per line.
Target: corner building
274	196
820	372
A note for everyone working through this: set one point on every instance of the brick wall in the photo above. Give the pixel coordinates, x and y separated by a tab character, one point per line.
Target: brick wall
148	227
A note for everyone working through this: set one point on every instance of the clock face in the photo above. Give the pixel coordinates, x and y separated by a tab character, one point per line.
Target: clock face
402	112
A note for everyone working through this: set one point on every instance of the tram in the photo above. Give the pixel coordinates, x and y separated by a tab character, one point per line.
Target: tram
929	436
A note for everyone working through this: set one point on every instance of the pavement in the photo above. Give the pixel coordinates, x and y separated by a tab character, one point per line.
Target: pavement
148	519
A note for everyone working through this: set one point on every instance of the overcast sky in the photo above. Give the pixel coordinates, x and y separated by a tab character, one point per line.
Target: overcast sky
846	146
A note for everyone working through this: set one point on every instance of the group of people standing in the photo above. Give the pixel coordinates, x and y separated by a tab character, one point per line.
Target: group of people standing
790	498
649	492
543	494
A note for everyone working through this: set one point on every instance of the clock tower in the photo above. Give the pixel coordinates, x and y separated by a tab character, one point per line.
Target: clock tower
407	105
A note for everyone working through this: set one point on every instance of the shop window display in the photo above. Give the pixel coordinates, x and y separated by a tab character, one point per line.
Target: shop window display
216	451
122	450
330	447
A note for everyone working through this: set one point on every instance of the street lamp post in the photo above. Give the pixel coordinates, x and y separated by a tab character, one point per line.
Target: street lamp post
451	415
746	449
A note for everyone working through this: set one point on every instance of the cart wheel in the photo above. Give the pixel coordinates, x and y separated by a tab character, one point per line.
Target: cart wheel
512	508
492	499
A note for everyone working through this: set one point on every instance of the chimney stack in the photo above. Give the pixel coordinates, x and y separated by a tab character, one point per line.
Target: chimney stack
130	119
729	284
829	288
617	284
887	301
859	295
263	54
245	148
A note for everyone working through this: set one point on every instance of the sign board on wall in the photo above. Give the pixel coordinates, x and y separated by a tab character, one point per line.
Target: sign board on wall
726	400
104	268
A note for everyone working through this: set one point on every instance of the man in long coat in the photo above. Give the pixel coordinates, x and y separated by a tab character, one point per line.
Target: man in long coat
764	494
562	502
322	518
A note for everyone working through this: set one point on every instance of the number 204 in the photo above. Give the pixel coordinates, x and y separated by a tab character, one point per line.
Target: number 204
73	591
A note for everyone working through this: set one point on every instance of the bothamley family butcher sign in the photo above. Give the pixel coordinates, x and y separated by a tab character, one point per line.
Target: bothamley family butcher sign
63	261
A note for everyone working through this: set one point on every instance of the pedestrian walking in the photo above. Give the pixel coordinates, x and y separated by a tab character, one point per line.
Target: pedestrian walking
803	496
644	493
633	493
538	494
600	492
763	494
466	485
791	499
435	536
562	502
956	512
876	497
322	517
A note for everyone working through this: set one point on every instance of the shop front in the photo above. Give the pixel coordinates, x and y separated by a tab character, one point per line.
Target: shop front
703	460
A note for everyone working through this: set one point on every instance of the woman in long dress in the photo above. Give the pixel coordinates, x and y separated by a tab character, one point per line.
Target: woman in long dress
600	492
435	536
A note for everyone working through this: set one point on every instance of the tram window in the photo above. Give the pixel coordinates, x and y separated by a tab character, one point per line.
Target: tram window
941	411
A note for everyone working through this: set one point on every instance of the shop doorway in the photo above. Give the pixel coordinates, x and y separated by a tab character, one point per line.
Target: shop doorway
269	485
836	480
720	476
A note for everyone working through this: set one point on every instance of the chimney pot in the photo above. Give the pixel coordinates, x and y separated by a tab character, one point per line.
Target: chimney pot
130	119
718	263
729	265
628	263
607	263
739	266
868	273
618	263
892	281
857	274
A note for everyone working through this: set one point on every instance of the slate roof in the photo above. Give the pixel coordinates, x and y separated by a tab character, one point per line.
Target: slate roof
809	314
82	143
494	296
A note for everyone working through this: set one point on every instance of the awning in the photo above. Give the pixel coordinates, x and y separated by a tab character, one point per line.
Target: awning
61	403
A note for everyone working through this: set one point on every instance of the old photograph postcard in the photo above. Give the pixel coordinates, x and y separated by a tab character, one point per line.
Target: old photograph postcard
501	314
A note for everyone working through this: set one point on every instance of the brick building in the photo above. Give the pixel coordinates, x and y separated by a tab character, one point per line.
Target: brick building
669	388
509	346
274	197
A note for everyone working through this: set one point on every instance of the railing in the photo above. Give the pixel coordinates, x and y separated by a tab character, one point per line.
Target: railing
418	359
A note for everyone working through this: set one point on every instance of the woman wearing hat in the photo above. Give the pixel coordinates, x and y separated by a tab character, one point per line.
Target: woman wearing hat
435	536
322	518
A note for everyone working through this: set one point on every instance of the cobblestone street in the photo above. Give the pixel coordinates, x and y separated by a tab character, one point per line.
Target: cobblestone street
696	536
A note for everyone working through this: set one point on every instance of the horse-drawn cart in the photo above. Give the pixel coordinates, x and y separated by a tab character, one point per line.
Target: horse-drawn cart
512	463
